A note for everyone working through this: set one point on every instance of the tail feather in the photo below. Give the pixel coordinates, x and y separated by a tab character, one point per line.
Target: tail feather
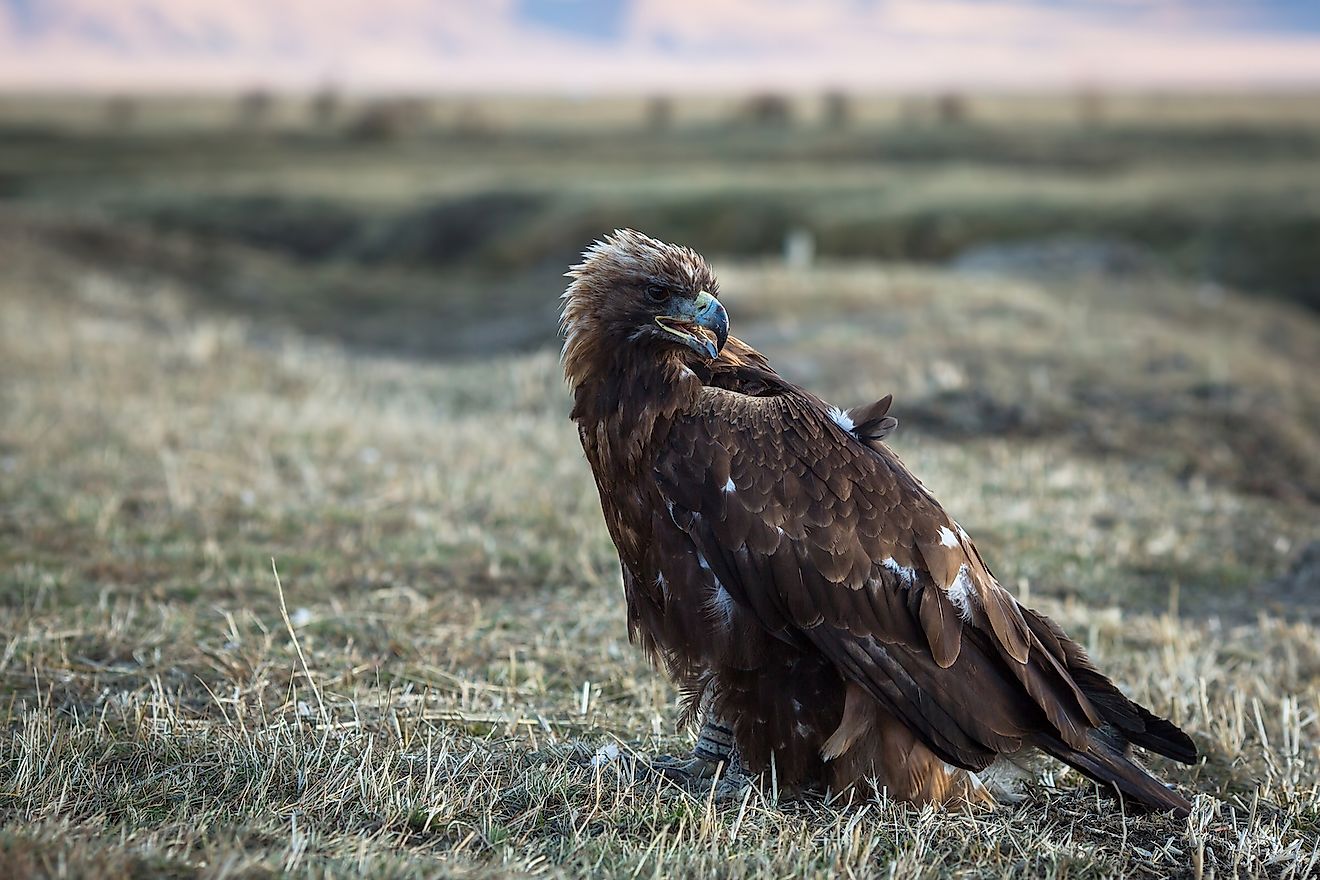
1106	756
1135	724
1162	737
1111	766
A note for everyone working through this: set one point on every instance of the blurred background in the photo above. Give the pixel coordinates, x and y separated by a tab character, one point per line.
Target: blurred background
412	178
282	279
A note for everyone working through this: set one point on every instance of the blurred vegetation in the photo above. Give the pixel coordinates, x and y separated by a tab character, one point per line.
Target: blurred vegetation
1229	197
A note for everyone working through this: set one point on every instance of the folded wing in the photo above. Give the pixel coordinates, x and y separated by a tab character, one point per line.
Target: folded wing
830	542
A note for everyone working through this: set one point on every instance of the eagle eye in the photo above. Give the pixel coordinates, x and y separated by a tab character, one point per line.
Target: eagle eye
656	292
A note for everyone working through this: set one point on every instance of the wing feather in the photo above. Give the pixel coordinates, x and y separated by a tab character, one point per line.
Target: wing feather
829	541
939	620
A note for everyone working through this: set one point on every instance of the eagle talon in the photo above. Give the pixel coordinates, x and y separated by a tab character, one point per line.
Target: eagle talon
714	760
685	770
698	775
713	755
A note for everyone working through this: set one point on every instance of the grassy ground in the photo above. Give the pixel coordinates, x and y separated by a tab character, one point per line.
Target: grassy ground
424	685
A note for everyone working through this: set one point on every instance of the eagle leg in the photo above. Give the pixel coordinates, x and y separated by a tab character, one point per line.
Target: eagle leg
715	752
714	742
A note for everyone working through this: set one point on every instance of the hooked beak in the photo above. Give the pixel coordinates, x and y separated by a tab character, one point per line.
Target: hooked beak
705	311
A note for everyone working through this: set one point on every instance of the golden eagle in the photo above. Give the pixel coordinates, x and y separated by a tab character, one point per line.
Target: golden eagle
800	585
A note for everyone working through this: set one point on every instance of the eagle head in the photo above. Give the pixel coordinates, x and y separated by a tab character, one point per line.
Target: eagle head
633	294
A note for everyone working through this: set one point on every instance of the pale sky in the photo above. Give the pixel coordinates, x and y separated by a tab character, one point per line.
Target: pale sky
586	46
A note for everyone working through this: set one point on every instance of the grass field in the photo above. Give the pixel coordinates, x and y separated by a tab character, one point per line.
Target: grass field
301	569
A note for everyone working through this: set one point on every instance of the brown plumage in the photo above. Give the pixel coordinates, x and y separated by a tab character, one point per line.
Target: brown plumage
785	568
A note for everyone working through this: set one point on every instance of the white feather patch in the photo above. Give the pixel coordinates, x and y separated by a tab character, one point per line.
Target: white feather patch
907	575
701	560
960	593
842	419
721	604
947	537
1006	779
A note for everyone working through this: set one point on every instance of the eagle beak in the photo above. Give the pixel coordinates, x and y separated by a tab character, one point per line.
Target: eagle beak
706	312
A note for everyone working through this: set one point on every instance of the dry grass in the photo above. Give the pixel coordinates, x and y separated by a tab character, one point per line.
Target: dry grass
454	652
